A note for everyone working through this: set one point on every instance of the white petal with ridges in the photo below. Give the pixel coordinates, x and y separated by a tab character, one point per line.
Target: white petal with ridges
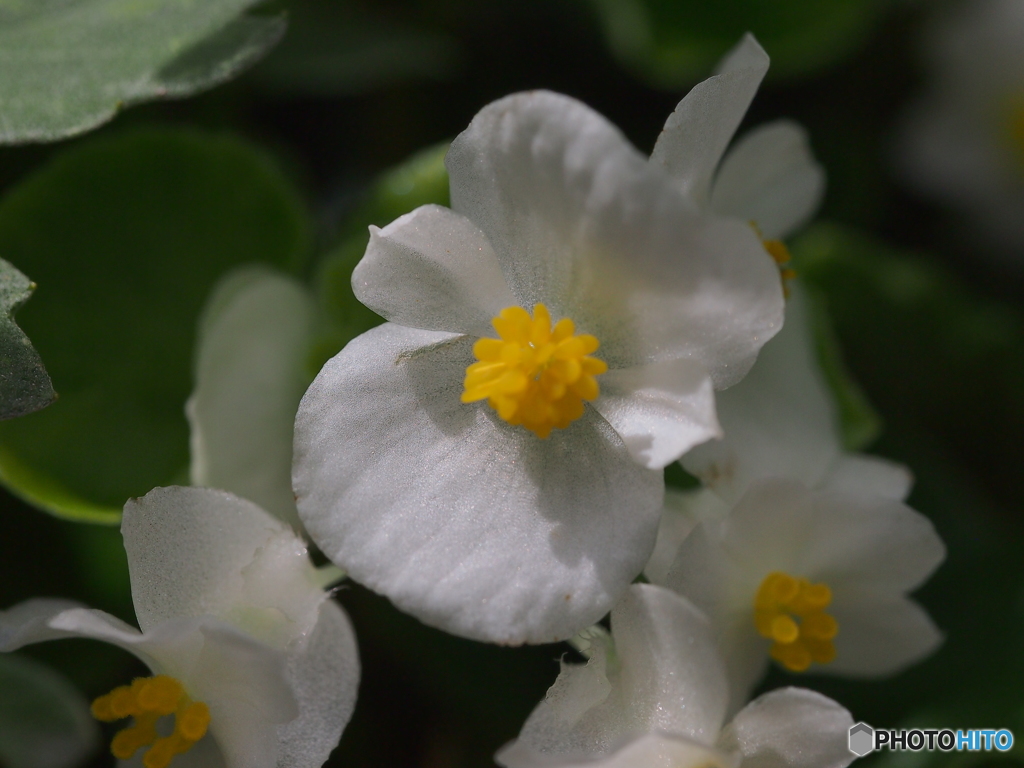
432	269
253	346
469	523
770	177
660	410
581	222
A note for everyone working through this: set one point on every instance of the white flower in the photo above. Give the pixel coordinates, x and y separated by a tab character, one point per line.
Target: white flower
769	177
655	694
782	421
964	140
515	502
234	620
252	344
811	577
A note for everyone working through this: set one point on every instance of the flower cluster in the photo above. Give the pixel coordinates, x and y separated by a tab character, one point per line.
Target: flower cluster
491	459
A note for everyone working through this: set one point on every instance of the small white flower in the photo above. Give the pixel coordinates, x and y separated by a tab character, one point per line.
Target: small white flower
655	694
253	343
235	627
475	464
811	577
964	140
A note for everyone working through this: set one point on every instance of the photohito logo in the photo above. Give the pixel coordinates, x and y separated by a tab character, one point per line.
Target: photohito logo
863	739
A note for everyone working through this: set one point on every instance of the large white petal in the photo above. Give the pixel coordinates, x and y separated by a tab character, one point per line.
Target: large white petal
681	512
698	131
581	222
250	375
860	473
29	622
324	678
879	635
432	269
660	410
197	551
770	177
651	750
869	542
790	728
467	522
779	421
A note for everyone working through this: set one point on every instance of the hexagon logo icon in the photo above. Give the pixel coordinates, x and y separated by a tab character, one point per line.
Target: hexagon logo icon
861	739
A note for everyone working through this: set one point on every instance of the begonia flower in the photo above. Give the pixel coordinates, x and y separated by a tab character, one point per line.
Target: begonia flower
252	346
236	628
490	458
654	693
963	141
812	579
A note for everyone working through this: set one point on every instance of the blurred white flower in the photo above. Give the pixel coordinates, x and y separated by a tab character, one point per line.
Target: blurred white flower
963	141
236	628
478	465
654	693
810	577
252	344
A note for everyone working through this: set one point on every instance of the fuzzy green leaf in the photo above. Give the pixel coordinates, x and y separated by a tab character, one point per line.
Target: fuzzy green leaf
24	384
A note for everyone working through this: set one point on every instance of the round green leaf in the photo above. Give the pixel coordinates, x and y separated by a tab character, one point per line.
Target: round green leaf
126	236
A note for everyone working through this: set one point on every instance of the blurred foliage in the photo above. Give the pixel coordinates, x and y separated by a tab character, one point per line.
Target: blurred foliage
66	67
127	234
674	43
24	384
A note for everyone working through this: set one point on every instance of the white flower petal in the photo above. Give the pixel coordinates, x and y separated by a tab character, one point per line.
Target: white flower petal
790	728
671	674
698	131
860	473
652	750
432	269
467	522
869	543
582	223
778	421
250	375
29	622
198	551
681	512
879	635
324	677
770	177
660	410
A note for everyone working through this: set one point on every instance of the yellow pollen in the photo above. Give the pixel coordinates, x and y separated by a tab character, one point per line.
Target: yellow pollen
146	700
780	255
791	612
534	375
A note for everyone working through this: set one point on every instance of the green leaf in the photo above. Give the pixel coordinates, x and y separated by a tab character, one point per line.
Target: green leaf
68	66
126	236
420	180
24	384
44	720
674	43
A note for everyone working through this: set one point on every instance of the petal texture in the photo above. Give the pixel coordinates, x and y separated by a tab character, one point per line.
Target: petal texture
432	269
698	131
790	728
770	177
581	222
660	410
880	634
250	376
468	523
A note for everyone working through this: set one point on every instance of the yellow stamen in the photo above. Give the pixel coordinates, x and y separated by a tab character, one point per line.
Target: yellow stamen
780	255
148	699
791	612
534	375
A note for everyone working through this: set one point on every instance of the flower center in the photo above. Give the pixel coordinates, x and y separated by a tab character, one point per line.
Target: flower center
148	699
533	374
791	612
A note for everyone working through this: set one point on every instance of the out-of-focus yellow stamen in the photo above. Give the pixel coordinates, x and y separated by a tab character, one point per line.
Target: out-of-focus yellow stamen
534	374
780	255
791	612
146	700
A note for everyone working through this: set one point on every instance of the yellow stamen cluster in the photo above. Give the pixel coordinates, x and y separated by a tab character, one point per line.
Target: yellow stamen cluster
791	612
148	699
780	255
533	374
